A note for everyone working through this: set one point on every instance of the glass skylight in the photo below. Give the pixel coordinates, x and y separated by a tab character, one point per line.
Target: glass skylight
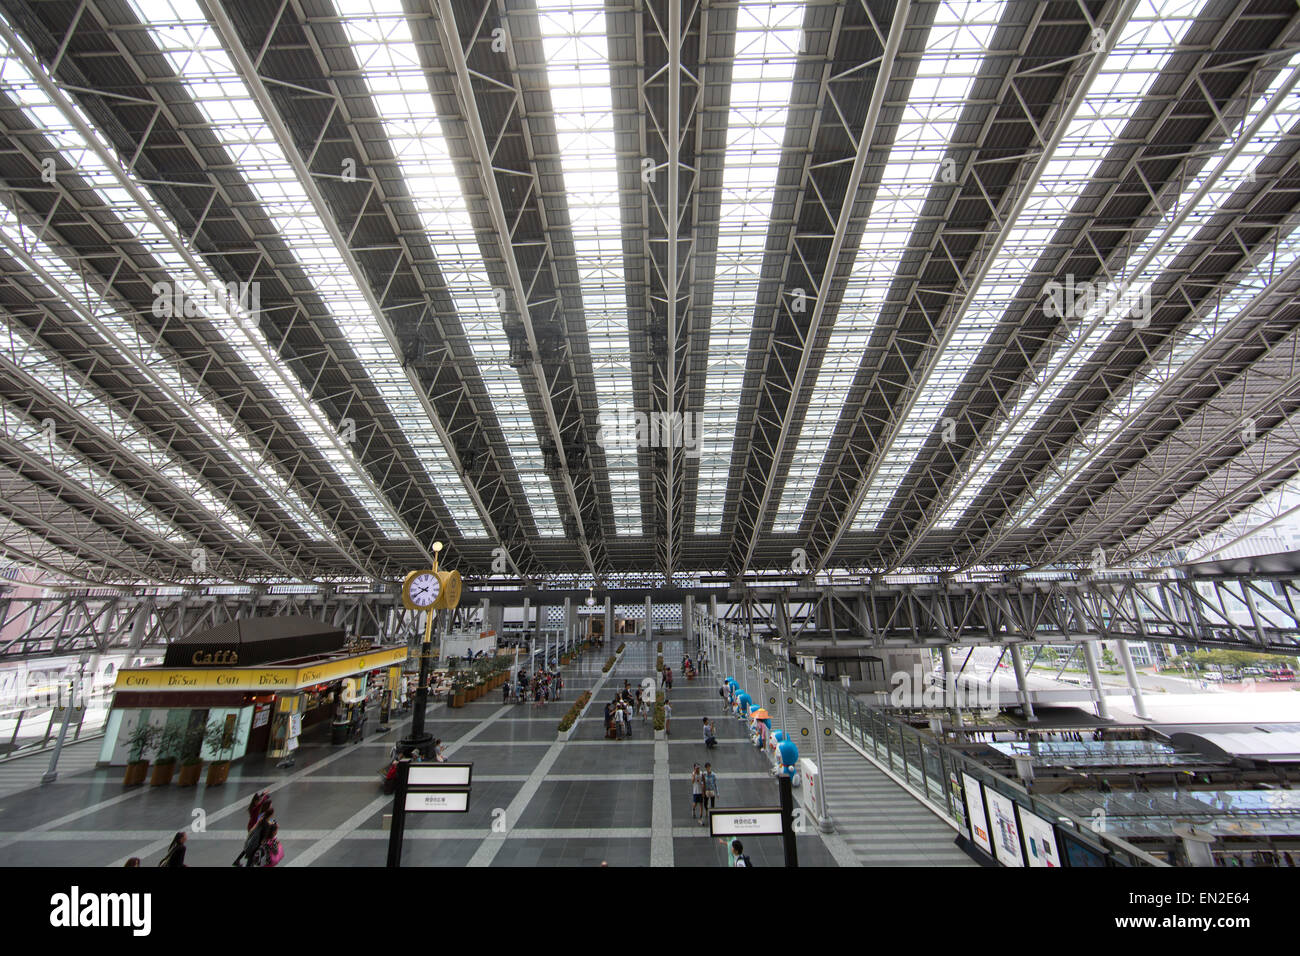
575	41
954	55
390	66
203	66
1220	312
766	53
27	433
140	350
1144	46
99	413
234	322
1093	329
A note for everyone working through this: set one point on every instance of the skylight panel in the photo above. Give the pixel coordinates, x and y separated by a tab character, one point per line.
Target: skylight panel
1092	330
1113	98
575	42
141	351
384	49
27	433
231	319
766	53
203	66
954	56
101	414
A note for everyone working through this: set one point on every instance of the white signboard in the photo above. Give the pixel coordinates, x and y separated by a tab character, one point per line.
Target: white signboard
744	822
979	824
439	775
1040	840
1005	829
442	801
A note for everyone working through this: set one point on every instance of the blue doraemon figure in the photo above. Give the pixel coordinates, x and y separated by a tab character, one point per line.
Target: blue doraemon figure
788	754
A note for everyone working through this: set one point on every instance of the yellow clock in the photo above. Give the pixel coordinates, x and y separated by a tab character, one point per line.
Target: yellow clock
449	596
421	590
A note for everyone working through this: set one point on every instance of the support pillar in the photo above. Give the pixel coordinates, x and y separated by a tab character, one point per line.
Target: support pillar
1134	688
609	618
523	626
1021	683
1094	678
688	625
950	687
649	626
570	623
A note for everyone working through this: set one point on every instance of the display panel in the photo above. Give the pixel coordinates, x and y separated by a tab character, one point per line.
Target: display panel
440	775
979	824
1078	853
1040	840
438	801
1004	829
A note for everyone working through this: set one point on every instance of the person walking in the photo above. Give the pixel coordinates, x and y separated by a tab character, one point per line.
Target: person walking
710	788
668	678
668	718
175	855
710	740
697	793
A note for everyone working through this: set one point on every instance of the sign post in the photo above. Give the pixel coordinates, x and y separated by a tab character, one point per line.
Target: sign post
426	788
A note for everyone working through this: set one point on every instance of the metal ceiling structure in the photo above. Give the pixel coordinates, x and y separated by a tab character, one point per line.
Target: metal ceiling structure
290	289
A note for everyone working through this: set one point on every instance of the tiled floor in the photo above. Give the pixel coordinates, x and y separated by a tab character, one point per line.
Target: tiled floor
536	800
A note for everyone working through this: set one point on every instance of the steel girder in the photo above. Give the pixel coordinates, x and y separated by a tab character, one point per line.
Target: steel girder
823	247
103	620
118	268
106	446
828	532
1257	614
1191	286
671	94
323	362
51	287
525	254
1140	466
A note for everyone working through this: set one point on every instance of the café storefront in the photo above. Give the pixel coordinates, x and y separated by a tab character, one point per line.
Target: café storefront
225	676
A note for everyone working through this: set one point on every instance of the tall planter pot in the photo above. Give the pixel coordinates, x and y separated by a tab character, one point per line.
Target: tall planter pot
135	773
162	773
218	771
189	774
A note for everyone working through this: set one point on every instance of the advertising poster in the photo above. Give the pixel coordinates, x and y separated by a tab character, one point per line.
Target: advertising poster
1040	840
1005	829
979	824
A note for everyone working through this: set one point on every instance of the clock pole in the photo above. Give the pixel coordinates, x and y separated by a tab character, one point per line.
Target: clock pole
419	738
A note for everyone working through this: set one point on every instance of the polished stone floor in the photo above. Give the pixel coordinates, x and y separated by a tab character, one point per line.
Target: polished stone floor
535	801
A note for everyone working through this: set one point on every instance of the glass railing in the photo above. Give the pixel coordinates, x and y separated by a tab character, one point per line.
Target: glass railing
25	730
932	769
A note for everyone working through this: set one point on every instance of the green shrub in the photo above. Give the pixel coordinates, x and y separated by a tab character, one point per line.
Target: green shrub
571	717
620	649
660	717
660	648
609	664
659	663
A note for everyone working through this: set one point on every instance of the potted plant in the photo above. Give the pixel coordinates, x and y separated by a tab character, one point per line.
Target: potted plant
191	758
457	690
214	738
141	740
169	746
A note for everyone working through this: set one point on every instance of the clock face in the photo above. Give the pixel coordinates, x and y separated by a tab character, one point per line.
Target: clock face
424	589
